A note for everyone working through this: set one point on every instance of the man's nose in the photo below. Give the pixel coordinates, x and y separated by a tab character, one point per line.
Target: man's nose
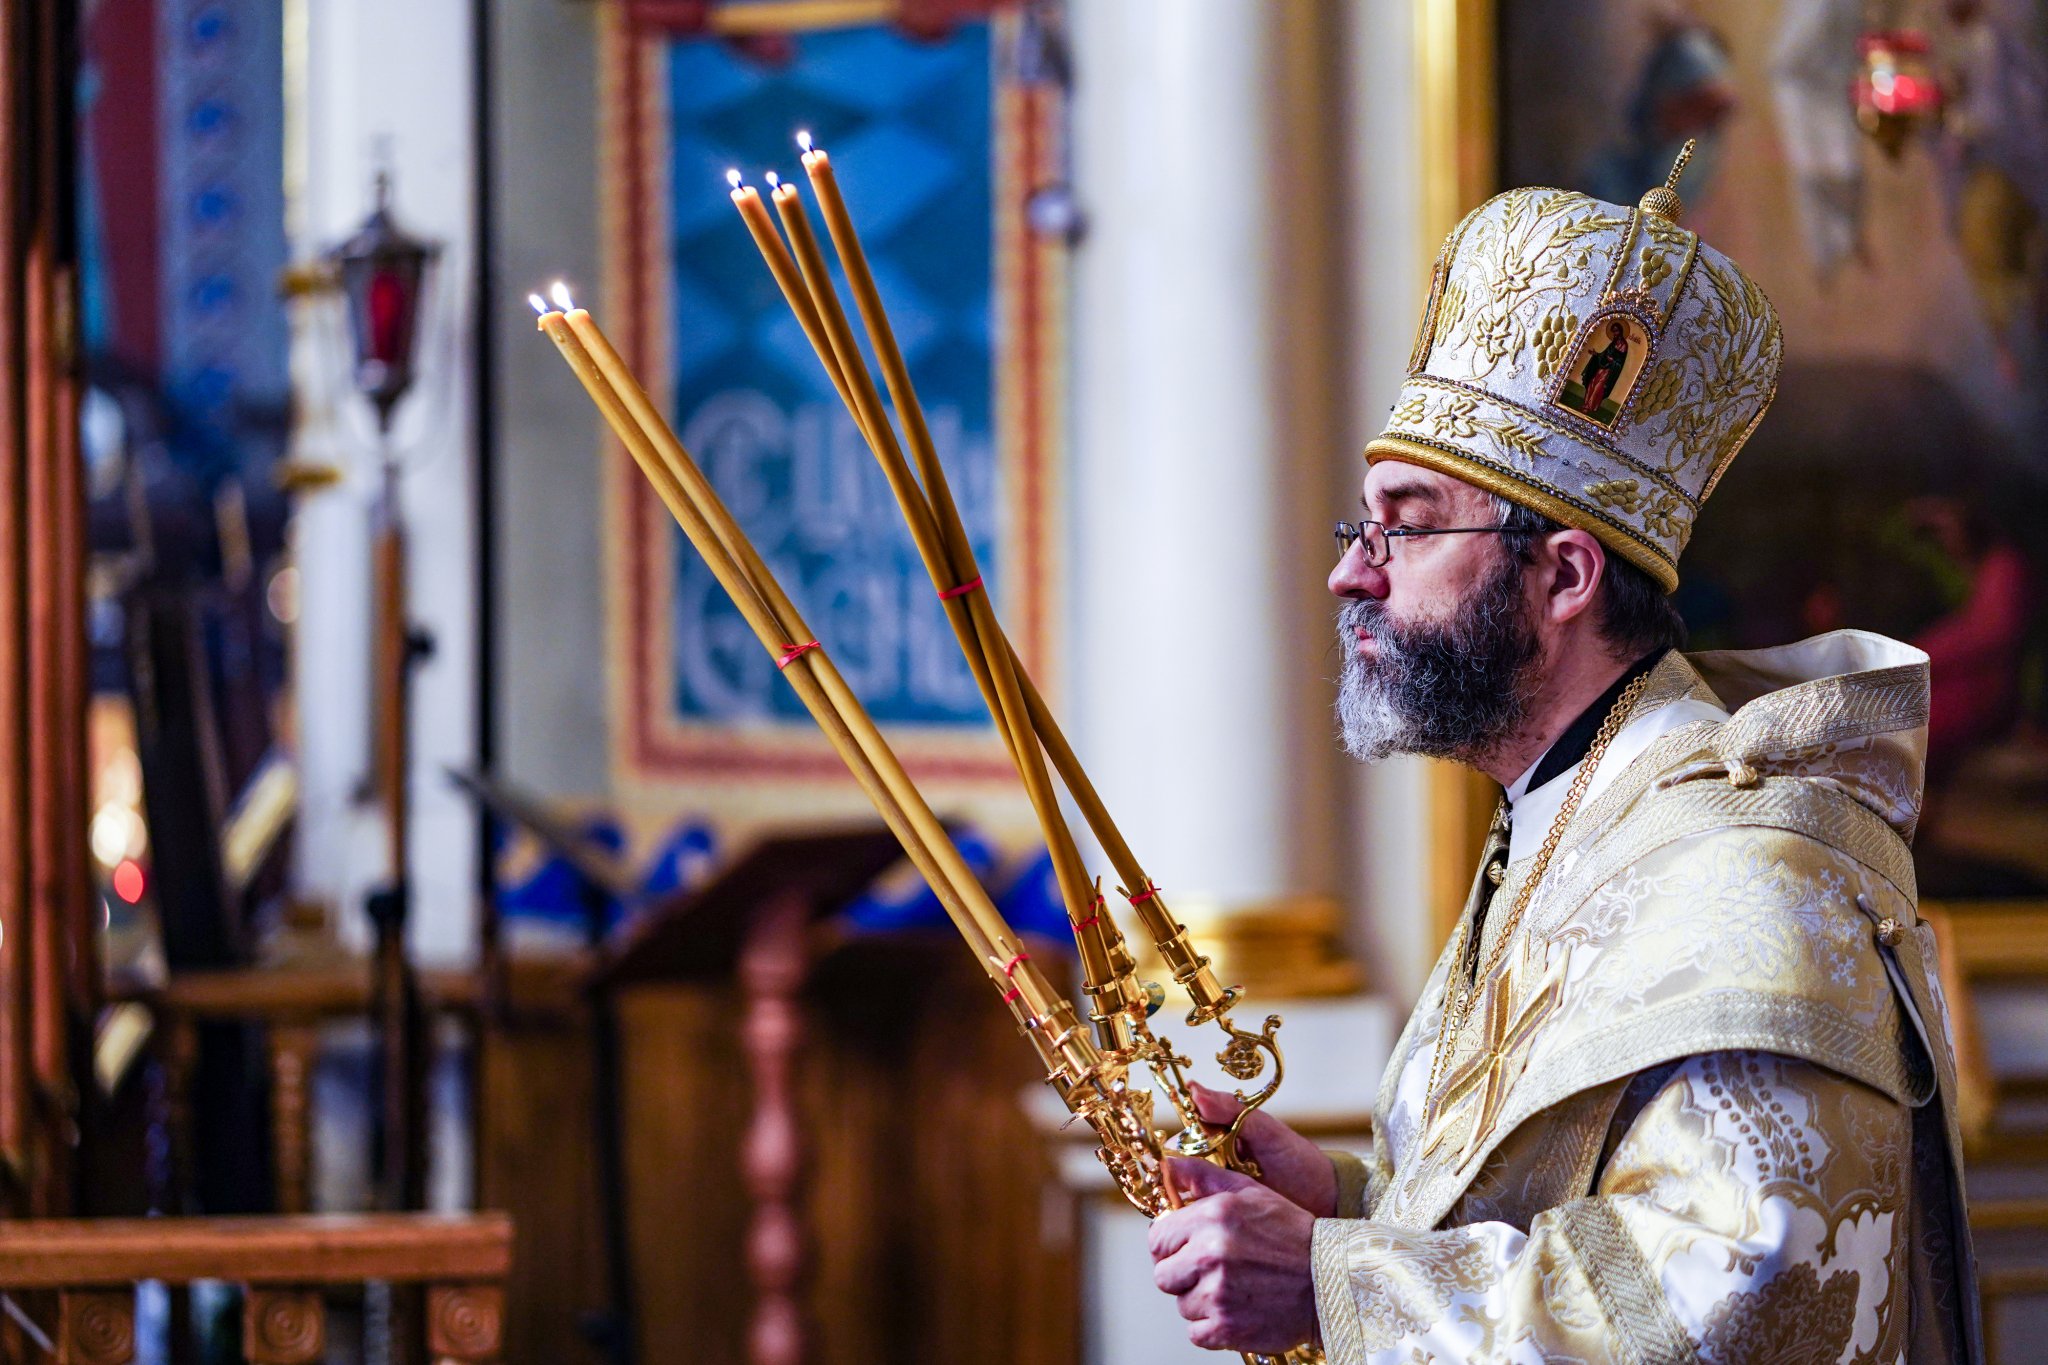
1354	578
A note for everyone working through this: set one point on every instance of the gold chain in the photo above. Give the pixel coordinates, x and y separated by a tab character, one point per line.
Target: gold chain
1455	1016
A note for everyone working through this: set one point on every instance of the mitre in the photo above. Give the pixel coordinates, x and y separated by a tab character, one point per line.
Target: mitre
1598	364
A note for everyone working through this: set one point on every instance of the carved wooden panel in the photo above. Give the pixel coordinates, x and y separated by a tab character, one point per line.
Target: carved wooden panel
465	1323
537	1162
943	1231
685	1108
283	1326
96	1326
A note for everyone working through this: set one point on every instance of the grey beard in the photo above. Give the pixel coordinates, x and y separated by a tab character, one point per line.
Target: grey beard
1453	689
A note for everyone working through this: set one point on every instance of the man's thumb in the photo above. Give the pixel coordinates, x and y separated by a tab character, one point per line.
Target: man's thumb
1194	1178
1215	1106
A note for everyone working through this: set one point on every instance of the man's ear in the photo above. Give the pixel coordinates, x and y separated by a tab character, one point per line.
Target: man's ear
1577	563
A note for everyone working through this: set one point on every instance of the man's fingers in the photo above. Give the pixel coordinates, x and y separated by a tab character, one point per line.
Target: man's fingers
1215	1106
1220	1107
1194	1178
1178	1273
1170	1232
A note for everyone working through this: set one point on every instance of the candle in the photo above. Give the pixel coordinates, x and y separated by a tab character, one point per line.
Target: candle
864	405
999	659
895	373
947	571
973	621
755	214
866	401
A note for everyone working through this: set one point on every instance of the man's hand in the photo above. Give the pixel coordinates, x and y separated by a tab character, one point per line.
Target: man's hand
1236	1256
1289	1164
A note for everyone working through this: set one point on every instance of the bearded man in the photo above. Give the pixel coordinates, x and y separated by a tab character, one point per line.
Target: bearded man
1681	1086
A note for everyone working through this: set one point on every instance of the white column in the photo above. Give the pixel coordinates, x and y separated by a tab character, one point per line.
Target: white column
387	82
1388	840
1245	222
1203	312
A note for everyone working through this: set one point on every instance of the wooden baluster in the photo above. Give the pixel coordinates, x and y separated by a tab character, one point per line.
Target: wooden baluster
180	1062
771	973
465	1323
292	1051
285	1326
179	1194
96	1326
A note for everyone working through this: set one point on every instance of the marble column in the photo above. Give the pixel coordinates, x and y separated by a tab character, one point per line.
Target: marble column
1209	310
385	84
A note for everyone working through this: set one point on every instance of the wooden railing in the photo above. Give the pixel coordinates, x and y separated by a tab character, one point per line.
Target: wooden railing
292	1004
84	1272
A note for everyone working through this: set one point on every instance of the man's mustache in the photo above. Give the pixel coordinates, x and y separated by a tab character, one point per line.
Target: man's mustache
1370	615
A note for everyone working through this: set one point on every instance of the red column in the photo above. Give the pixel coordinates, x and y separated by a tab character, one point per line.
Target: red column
771	975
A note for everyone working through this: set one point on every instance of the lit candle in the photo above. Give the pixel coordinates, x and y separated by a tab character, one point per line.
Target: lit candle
864	400
895	373
791	281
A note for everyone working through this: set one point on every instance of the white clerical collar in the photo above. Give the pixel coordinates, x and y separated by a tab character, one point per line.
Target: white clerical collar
1533	811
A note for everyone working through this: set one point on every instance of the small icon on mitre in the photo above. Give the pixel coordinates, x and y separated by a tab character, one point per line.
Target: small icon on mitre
1603	370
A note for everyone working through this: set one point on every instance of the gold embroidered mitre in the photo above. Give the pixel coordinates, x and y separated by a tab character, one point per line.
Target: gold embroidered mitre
1600	365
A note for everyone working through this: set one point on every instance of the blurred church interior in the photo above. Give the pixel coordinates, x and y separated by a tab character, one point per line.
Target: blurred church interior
429	928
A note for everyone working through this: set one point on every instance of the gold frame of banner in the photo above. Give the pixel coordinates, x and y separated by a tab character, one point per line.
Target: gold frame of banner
661	763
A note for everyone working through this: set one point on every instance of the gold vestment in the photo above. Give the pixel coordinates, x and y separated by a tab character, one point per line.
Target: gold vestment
1706	1108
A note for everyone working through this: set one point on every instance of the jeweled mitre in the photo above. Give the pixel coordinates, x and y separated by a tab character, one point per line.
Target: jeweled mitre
1601	365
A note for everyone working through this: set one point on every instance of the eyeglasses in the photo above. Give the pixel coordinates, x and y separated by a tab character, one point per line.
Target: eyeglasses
1376	537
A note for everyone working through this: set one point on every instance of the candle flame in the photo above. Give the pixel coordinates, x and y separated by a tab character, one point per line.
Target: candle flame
560	294
732	177
540	305
803	139
774	180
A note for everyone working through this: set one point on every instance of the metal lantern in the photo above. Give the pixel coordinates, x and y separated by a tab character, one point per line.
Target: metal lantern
1896	89
383	276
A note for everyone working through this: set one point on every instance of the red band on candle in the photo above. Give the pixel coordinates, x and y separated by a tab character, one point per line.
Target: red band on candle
1010	967
969	586
1012	993
1090	922
791	653
1147	894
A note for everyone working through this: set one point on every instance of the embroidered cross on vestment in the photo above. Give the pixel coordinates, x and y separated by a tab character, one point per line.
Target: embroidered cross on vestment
1492	1069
